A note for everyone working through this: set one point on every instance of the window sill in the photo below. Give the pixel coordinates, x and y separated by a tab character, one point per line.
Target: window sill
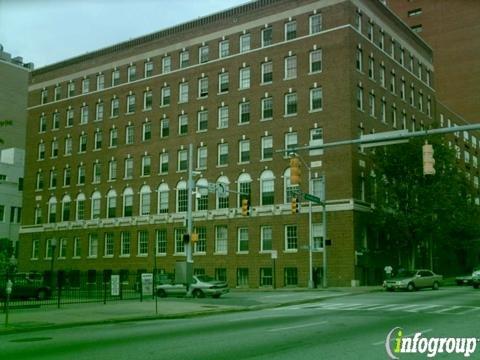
290	251
314	110
161	255
164	105
266	83
76	257
91	257
33	259
146	109
220	253
289	115
315	72
222	92
222	166
107	256
242	252
266	119
142	255
200	253
178	254
124	256
113	116
265	160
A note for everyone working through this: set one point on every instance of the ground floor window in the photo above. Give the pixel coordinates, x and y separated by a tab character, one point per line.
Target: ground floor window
242	277
266	277
221	274
198	271
291	276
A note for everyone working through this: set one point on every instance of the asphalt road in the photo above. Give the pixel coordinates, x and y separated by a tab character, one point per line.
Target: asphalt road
349	327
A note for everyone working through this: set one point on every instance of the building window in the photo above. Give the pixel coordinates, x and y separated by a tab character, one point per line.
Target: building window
223	49
99	111
147	100
393	83
223	117
242	239
127	202
125	243
113	137
242	277
316	99
291	67
244	78
166	64
266	277
164	163
54	153
142	248
131	73
66	202
183	92
81	175
96	204
290	30
203	53
316	138
100	82
244	42
221	239
267	187
202	199
317	235
85	86
291	276
359	97
315	23
114	107
39	180
115	77
371	68
371	103
183	124
57	93
201	245
128	168
163	198
130	104
41	151
84	114
129	134
316	61
267	147
38	216
77	249
267	36
291	237
179	244
244	109
161	241
359	59
203	87
184	59
71	89
417	28
53	179
182	160
67	175
70	115
55	120
267	72
82	146
266	238
164	128
202	121
42	124
291	104
108	245
148	69
244	151
223	82
97	144
80	208
222	154
146	131
267	108
146	165
165	96
111	204
291	142
92	245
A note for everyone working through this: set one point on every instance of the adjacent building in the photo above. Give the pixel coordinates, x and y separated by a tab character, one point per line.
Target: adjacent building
109	134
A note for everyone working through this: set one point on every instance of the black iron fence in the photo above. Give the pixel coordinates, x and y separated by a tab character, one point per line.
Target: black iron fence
49	289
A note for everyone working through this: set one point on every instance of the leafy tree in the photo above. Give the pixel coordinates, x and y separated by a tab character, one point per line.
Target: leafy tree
6	252
418	213
4	123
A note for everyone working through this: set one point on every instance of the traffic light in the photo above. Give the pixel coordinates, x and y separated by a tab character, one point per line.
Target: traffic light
428	160
294	205
295	173
186	238
194	237
245	207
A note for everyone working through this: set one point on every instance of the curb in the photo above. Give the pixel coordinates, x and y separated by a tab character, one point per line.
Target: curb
193	314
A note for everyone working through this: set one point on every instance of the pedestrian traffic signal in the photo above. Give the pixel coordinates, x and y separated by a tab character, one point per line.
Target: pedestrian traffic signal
295	172
194	237
294	205
186	238
245	207
428	160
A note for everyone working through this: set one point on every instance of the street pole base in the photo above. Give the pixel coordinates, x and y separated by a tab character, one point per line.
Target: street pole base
311	285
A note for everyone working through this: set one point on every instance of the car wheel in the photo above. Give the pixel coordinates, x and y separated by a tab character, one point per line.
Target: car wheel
161	293
475	286
459	283
197	293
435	285
41	294
215	296
411	287
389	289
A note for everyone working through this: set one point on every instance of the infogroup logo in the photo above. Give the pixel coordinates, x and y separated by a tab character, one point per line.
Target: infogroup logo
396	343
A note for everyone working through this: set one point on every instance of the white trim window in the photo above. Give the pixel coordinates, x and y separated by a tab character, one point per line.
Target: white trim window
267	147
161	242
202	121
182	164
315	60
267	72
85	85
222	154
266	238
96	205
163	191
62	250
242	240
291	103
182	196
202	154
165	96
244	82
223	48
267	188
142	245
164	163
131	73
291	238
290	30
100	81
203	87
166	64
184	59
267	36
148	69
291	67
221	239
223	82
203	54
92	245
80	207
77	247
183	92
108	245
267	108
316	99
125	244
245	42
145	200
127	202
315	23
244	151
223	117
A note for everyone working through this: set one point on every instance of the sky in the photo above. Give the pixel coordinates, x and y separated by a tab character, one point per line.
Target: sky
48	31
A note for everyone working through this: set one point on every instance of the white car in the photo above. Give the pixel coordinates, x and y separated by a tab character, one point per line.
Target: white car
201	286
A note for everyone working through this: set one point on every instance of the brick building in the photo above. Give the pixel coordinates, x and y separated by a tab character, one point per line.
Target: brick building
109	133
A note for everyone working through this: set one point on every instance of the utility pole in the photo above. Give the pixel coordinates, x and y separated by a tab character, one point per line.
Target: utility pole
188	245
324	228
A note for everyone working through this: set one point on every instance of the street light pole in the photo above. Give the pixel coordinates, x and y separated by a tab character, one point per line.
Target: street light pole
324	218
53	244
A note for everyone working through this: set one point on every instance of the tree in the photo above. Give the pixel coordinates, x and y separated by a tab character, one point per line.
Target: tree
4	123
6	252
417	214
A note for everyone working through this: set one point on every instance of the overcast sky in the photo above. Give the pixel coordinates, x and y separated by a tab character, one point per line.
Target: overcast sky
48	31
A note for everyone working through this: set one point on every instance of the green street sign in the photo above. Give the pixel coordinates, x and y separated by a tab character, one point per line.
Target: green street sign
312	198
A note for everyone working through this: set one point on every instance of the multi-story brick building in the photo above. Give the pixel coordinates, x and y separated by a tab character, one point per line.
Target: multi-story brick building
109	133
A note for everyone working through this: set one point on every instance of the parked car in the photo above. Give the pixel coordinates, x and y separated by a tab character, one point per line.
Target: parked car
466	279
26	286
476	279
201	286
413	280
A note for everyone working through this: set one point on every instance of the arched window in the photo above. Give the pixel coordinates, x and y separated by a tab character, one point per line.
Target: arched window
163	198
267	188
222	201
202	194
66	201
244	186
111	204
52	209
287	186
127	202
80	210
96	204
145	200
182	196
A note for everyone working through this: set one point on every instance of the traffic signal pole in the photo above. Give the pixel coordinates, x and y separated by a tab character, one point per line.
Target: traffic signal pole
188	245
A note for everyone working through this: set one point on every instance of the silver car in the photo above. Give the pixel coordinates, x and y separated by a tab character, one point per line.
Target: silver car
201	286
413	280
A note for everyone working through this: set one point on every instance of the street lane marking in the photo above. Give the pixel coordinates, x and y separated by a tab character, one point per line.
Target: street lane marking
297	326
409	335
473	308
422	307
383	307
446	309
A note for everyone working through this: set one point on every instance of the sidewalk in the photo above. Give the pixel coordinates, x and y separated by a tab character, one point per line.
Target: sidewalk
47	317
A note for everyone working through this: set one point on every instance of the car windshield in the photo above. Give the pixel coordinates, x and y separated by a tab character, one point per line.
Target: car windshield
406	273
205	278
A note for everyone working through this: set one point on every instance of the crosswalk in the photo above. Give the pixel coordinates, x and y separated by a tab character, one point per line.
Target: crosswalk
409	308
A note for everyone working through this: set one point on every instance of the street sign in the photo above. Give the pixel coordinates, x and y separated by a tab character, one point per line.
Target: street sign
312	198
274	254
115	285
222	190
